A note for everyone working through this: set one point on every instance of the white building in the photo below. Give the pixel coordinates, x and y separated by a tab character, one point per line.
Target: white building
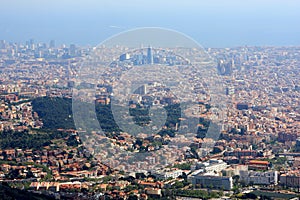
259	178
216	182
167	173
212	166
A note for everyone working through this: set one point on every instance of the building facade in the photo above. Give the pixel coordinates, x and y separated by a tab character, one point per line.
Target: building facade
214	182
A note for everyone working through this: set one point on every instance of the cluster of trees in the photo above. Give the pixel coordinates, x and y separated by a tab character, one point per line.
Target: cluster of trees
106	118
208	129
173	115
241	131
72	141
201	132
183	166
199	194
9	193
25	140
140	115
55	112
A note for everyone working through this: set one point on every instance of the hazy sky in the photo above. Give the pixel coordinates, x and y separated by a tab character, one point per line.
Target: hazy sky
213	23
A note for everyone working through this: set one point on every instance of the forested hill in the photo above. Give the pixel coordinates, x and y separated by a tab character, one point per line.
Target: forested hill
8	193
55	112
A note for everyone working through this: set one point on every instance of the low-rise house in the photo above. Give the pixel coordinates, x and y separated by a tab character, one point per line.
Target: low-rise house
154	192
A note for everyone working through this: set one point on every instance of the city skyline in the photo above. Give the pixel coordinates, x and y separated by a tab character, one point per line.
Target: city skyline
212	24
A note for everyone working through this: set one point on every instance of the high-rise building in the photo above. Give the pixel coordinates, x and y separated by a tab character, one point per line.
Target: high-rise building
73	50
2	44
149	56
31	44
225	68
124	56
142	90
52	44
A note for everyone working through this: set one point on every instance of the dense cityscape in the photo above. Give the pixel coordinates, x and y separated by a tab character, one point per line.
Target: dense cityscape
44	155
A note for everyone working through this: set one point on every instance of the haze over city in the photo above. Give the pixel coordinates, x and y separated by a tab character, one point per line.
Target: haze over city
214	23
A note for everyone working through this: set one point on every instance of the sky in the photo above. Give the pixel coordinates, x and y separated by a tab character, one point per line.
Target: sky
212	23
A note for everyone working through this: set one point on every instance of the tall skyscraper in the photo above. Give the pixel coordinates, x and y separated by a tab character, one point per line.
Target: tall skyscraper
225	67
2	44
52	44
73	50
124	56
31	44
149	55
142	90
